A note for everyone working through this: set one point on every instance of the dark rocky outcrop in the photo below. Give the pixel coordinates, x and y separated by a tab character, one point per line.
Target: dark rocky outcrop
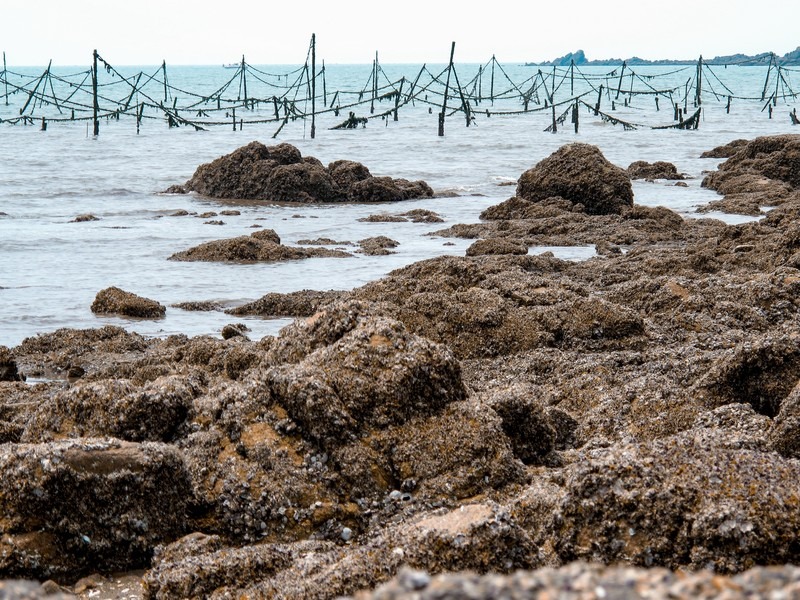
281	174
119	302
260	246
581	174
497	246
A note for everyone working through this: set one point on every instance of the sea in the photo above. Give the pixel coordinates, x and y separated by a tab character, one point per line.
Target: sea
52	266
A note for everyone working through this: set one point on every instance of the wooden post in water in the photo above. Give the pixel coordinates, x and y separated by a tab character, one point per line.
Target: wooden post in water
572	77
234	118
244	81
575	115
619	85
164	72
95	104
699	88
397	97
5	76
314	85
324	85
766	81
446	89
599	97
491	91
555	124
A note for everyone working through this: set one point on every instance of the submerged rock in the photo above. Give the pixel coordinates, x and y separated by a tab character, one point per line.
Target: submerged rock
581	174
281	174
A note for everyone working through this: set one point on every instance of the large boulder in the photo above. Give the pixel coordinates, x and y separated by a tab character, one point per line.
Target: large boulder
281	174
581	174
376	375
72	507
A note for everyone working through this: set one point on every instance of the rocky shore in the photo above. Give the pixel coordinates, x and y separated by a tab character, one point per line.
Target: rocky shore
493	425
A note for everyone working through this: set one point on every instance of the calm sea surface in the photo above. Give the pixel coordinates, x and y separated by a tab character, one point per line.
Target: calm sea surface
51	268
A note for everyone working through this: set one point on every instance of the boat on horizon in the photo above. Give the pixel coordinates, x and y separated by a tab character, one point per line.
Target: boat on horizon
231	65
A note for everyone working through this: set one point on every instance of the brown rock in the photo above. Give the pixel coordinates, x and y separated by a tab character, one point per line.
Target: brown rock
116	301
641	169
497	246
130	498
375	375
303	303
8	367
154	412
256	247
377	246
726	150
581	174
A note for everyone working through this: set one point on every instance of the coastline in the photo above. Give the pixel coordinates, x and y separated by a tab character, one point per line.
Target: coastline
495	412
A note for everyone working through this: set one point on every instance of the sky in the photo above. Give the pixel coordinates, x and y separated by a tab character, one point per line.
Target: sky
145	32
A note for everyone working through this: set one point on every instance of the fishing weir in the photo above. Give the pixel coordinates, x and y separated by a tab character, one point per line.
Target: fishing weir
674	99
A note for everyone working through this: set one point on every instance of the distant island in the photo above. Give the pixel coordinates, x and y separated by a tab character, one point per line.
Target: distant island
579	58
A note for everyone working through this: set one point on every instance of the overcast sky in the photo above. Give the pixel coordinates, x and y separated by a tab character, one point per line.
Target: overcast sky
145	32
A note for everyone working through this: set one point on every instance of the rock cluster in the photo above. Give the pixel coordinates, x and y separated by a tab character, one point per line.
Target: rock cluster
525	421
281	174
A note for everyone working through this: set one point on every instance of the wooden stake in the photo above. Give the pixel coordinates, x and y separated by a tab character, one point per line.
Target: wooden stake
619	85
397	97
698	99
491	91
446	89
244	81
599	97
314	84
95	104
5	76
164	72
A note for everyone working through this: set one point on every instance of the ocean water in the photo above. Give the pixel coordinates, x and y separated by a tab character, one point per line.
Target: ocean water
51	268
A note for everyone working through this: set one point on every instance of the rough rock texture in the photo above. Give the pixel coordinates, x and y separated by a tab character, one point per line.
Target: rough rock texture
377	246
294	304
584	581
581	174
492	413
496	246
760	173
260	246
281	174
641	169
119	302
8	367
87	504
726	150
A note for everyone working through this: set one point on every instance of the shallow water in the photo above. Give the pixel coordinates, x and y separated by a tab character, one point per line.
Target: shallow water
52	268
